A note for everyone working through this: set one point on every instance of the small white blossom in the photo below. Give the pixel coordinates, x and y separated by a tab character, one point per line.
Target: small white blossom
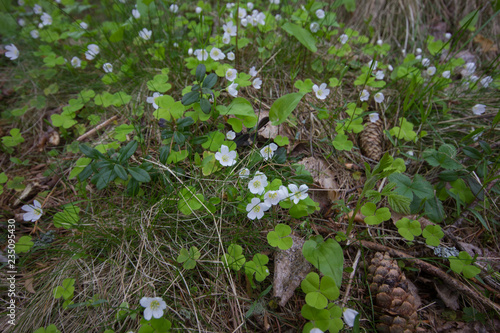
276	2
201	54
390	68
298	193
249	5
244	173
343	38
314	27
35	34
321	92
46	19
373	64
473	78
380	42
379	75
216	54
154	307
364	95
350	316
136	14
84	25
261	19
37	9
252	71
107	67
226	38
418	50
374	117
426	62
175	44
257	83
230	135
226	157
190	51
316	330
145	34
479	109
174	8
257	184
379	97
21	22
447	35
229	28
419	57
485	81
469	69
198	10
256	209
272	198
446	74
230	56
320	13
93	50
244	21
431	71
411	153
33	212
267	152
20	2
231	90
12	52
231	74
76	62
151	100
277	17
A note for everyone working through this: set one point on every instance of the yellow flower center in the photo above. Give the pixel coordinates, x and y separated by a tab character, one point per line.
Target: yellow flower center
256	208
37	211
256	183
225	158
154	305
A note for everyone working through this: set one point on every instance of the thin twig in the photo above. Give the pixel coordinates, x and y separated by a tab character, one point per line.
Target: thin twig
95	129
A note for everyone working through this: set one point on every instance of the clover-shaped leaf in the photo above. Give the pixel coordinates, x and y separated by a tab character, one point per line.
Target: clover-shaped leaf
234	258
279	238
374	215
318	293
404	131
258	266
189	201
409	229
320	318
66	290
189	257
24	244
433	235
464	264
281	140
341	142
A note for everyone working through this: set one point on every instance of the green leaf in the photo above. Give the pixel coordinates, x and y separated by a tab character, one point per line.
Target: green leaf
177	156
234	257
68	217
241	108
433	235
23	244
139	174
122	131
302	35
66	290
120	171
470	20
14	139
190	98
258	267
279	237
127	151
374	215
409	229
404	130
341	142
327	256
210	81
419	186
189	257
64	121
304	86
189	200
201	70
283	107
80	165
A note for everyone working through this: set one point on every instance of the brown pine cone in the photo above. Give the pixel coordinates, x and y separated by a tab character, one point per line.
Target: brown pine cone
371	140
389	287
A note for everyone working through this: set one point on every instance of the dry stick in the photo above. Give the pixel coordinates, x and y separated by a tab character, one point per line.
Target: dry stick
454	283
351	277
98	127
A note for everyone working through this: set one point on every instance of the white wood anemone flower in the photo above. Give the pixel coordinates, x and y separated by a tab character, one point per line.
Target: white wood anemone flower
33	212
154	307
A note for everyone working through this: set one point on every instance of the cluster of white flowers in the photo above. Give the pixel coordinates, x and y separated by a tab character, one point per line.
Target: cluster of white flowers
365	95
257	18
257	82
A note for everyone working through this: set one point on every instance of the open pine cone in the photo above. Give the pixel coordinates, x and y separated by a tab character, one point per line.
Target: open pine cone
392	295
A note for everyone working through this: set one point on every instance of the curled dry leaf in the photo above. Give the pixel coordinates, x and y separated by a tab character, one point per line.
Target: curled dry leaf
322	175
290	268
448	296
28	284
487	45
358	218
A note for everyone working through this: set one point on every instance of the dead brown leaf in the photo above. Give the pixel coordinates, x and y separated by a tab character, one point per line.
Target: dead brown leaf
28	284
448	296
487	45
